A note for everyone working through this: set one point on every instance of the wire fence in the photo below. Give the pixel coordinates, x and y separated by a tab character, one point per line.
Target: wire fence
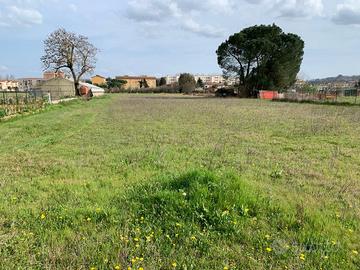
15	102
333	96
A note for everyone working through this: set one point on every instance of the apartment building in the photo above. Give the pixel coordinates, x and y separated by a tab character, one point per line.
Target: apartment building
207	79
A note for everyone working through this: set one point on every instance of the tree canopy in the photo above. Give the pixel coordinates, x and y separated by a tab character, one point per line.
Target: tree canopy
262	57
187	83
69	51
162	81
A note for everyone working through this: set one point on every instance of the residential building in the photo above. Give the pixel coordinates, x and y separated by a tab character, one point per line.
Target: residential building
26	84
98	80
48	75
207	79
9	85
172	79
136	82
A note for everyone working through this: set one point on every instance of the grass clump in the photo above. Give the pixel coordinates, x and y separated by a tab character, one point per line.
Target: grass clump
203	221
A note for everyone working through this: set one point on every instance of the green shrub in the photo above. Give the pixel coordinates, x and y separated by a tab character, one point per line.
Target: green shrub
2	112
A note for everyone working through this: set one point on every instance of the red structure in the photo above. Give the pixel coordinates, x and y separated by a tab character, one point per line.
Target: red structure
84	90
268	95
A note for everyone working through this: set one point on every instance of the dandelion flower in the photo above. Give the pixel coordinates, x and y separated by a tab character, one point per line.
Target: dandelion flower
302	257
174	264
43	216
117	267
140	268
268	249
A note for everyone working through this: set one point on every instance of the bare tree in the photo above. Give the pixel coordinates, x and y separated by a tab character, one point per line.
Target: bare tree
66	50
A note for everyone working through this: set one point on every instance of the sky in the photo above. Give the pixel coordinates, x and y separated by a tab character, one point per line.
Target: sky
164	37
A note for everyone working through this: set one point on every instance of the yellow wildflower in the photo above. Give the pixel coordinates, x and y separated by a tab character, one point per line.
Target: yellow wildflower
133	260
92	268
88	219
141	259
226	268
302	257
268	249
140	268
174	264
333	242
193	238
43	216
117	267
136	239
355	252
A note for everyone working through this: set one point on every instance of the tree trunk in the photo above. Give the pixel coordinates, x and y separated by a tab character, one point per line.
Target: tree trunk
77	88
76	83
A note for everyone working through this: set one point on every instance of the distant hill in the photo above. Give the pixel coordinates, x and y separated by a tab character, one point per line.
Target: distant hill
339	78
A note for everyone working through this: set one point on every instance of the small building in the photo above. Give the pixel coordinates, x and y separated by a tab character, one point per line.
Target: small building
136	82
60	88
98	80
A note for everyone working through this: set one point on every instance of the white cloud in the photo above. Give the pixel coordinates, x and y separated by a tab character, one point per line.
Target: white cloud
182	12
14	15
293	8
24	16
299	8
348	13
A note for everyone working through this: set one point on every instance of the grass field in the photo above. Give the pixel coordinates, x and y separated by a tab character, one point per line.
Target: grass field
173	182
